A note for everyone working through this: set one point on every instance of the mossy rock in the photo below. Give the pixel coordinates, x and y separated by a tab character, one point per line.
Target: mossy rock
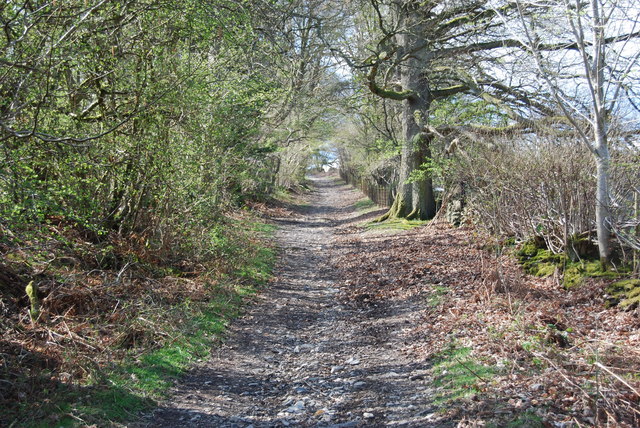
537	260
594	269
543	269
574	273
531	248
625	293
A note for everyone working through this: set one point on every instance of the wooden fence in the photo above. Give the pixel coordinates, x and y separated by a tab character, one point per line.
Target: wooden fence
381	195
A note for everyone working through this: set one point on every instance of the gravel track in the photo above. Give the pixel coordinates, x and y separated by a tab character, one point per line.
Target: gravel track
302	355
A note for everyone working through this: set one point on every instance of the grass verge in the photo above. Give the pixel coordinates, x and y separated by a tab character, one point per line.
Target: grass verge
117	363
364	205
395	224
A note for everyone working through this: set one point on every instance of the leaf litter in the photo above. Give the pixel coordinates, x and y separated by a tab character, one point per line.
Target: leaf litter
561	359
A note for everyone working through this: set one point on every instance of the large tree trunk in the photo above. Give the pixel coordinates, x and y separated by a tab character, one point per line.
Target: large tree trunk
424	202
415	198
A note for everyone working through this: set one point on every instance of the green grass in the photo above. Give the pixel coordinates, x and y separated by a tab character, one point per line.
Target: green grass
153	372
365	204
109	403
292	199
135	384
395	224
527	419
259	271
458	375
283	195
436	295
78	408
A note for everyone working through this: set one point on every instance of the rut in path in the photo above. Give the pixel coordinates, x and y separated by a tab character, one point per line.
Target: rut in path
300	357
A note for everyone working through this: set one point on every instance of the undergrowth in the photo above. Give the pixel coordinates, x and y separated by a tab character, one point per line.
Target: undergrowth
112	337
507	349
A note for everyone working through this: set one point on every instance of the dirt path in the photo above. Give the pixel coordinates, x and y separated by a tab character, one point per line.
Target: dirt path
300	357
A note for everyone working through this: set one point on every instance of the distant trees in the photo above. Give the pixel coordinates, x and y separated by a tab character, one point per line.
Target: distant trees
293	53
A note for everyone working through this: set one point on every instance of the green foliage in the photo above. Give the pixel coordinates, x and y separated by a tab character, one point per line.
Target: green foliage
434	167
128	131
465	110
136	117
385	147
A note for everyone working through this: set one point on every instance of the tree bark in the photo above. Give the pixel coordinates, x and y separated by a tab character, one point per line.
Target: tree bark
415	198
424	202
603	160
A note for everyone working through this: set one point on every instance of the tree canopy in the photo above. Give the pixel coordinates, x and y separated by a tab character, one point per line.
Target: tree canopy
124	116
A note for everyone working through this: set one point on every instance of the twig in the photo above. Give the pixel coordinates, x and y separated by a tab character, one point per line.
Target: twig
630	406
75	337
562	374
122	271
578	423
612	417
71	415
469	369
617	377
